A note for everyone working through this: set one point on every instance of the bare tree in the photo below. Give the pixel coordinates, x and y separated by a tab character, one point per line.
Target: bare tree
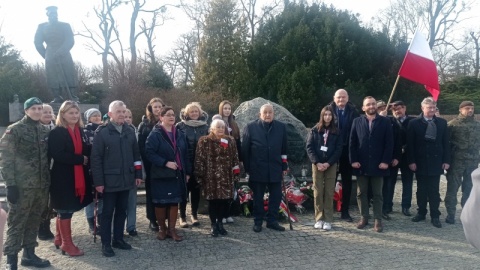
181	60
476	62
254	20
101	42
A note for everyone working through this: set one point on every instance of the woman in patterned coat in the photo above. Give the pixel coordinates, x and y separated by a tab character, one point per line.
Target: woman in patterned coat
216	169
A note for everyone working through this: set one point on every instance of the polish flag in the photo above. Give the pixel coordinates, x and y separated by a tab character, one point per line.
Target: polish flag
419	66
224	142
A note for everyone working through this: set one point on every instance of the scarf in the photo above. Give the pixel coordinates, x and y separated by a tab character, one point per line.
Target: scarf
431	132
173	140
78	169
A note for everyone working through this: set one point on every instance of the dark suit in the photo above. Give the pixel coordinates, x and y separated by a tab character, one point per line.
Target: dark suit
428	155
345	167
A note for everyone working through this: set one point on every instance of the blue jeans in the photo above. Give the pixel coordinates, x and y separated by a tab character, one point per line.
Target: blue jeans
275	197
132	210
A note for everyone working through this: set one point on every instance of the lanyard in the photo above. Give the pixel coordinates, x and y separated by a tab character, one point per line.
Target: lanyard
325	137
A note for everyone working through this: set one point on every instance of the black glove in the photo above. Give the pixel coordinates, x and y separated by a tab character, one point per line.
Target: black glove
12	194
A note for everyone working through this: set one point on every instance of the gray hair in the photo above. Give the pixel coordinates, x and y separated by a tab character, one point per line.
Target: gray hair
114	104
216	123
265	106
428	101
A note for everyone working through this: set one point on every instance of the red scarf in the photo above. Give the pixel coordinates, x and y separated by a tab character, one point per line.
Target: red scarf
78	169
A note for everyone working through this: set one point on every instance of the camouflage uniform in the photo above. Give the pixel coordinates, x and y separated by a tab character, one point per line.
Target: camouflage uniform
24	163
465	145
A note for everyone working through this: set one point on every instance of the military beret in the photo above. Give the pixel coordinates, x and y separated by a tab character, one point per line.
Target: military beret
465	103
32	101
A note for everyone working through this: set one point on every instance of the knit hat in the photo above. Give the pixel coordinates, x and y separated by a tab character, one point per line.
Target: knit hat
88	113
217	116
465	103
31	101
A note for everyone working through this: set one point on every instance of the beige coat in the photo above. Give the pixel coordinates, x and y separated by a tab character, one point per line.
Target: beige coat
214	166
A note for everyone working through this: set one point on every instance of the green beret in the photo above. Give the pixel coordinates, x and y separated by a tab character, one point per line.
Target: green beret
32	101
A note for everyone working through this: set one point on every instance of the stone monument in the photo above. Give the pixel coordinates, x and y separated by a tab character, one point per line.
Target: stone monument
59	67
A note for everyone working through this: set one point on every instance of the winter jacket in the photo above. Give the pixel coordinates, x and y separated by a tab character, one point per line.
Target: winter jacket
115	158
264	150
193	130
315	142
371	147
217	166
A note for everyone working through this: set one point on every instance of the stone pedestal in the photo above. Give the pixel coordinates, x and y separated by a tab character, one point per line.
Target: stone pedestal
16	111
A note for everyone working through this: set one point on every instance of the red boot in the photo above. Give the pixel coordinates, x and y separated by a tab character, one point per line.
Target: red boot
58	237
67	244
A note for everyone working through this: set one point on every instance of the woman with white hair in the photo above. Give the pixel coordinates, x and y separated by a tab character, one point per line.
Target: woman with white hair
217	168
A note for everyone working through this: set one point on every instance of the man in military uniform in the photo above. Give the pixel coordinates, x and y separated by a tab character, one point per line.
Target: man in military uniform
24	167
465	144
58	36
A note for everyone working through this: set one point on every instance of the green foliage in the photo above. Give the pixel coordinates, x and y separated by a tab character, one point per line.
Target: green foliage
93	93
454	92
301	56
157	77
221	57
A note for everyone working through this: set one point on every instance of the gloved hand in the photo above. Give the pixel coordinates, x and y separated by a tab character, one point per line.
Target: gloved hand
12	194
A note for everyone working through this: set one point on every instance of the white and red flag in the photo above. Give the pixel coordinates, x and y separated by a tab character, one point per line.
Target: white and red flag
419	66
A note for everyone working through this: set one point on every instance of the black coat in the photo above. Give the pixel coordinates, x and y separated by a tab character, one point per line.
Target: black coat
370	148
315	141
167	186
262	151
350	114
428	155
144	129
193	133
402	130
113	158
62	189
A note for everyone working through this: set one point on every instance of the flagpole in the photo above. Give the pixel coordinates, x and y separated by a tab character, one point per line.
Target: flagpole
393	90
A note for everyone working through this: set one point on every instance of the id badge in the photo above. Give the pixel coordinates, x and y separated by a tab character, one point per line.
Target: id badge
324	148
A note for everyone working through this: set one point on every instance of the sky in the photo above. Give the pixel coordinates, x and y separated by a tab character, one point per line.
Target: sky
19	20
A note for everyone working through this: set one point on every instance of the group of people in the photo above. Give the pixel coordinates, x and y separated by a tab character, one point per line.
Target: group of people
58	167
375	146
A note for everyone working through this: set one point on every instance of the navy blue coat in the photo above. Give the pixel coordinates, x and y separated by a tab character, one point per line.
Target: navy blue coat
159	150
370	148
262	151
428	155
315	141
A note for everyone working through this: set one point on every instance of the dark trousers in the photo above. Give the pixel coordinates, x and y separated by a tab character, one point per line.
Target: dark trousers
194	189
345	170
428	192
148	197
218	209
114	207
389	186
274	199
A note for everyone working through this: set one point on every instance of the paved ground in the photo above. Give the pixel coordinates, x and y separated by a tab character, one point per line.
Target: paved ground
403	245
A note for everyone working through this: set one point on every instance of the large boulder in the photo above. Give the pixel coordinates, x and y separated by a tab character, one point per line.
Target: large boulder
296	131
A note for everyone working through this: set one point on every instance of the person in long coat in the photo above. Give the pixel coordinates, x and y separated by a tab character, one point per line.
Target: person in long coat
70	190
217	168
166	149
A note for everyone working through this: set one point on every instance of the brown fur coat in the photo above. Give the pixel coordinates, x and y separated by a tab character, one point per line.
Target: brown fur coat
214	165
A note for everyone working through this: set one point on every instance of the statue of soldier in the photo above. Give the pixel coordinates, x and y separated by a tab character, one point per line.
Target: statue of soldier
58	37
24	167
465	144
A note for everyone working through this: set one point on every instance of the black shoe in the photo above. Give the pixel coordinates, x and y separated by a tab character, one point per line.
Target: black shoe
418	218
12	262
44	232
436	222
214	230
450	219
121	244
388	211
107	251
153	226
275	226
386	216
257	228
406	212
133	233
346	216
221	229
30	259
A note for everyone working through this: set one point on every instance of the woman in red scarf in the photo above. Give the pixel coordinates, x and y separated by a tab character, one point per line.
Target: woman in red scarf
71	188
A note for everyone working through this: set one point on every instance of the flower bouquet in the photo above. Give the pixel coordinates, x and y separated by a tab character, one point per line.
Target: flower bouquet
245	196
